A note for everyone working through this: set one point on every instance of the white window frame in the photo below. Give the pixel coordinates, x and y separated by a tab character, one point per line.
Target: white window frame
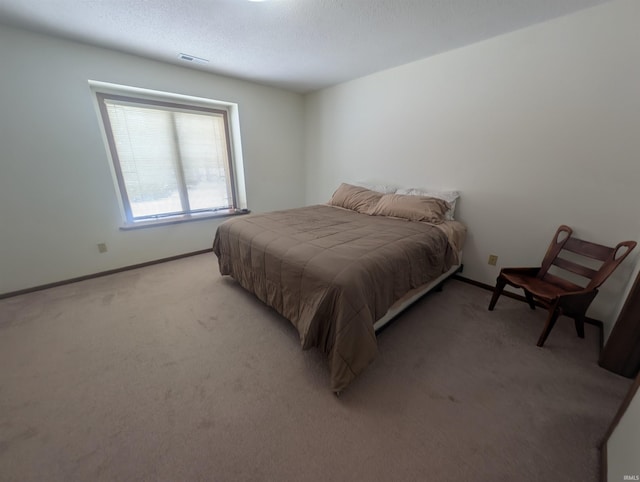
102	90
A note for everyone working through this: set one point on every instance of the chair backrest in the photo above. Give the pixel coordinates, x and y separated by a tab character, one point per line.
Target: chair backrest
563	241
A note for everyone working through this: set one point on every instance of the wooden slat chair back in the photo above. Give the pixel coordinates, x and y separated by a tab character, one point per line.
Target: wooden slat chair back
563	295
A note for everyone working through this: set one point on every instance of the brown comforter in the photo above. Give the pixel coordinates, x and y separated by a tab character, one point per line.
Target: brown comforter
332	272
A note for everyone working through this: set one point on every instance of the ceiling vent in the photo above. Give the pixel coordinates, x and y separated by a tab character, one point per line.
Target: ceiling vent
192	58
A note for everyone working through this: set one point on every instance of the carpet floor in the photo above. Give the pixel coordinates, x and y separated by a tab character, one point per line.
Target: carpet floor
171	372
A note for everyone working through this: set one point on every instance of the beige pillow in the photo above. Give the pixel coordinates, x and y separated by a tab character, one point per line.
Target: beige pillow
413	208
356	198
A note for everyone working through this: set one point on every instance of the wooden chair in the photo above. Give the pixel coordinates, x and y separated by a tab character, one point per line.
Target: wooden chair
559	295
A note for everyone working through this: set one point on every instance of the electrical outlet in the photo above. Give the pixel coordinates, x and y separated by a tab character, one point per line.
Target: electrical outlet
102	247
493	259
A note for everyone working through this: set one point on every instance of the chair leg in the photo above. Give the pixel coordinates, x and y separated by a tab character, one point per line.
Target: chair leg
497	291
529	297
551	321
579	322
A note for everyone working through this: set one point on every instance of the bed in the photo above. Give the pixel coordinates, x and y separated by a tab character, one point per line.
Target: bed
340	271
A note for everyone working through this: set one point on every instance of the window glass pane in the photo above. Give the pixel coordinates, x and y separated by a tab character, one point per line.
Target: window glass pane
147	153
170	159
203	152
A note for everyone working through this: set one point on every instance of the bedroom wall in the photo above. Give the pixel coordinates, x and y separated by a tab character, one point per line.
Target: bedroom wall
536	128
623	445
57	197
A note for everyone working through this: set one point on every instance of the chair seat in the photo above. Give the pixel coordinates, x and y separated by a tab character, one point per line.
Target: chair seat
539	288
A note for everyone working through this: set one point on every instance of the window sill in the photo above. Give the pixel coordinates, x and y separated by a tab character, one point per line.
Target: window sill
187	218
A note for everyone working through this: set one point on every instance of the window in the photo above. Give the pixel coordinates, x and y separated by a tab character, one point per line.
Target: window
172	160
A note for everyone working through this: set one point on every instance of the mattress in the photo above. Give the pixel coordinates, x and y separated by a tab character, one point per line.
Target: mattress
333	272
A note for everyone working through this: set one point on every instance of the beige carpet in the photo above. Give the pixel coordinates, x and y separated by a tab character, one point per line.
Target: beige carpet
173	373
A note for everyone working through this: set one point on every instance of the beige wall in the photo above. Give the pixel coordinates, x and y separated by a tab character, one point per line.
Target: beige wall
623	446
536	128
57	197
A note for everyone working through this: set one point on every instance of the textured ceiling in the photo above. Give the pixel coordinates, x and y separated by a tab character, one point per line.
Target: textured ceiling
300	45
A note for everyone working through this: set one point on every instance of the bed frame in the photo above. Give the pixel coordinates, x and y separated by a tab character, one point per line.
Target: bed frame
414	295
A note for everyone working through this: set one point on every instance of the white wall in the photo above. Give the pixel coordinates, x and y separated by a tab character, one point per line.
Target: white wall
623	447
536	128
57	197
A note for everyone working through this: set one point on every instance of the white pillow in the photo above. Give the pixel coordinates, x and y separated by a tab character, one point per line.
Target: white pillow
449	196
383	188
